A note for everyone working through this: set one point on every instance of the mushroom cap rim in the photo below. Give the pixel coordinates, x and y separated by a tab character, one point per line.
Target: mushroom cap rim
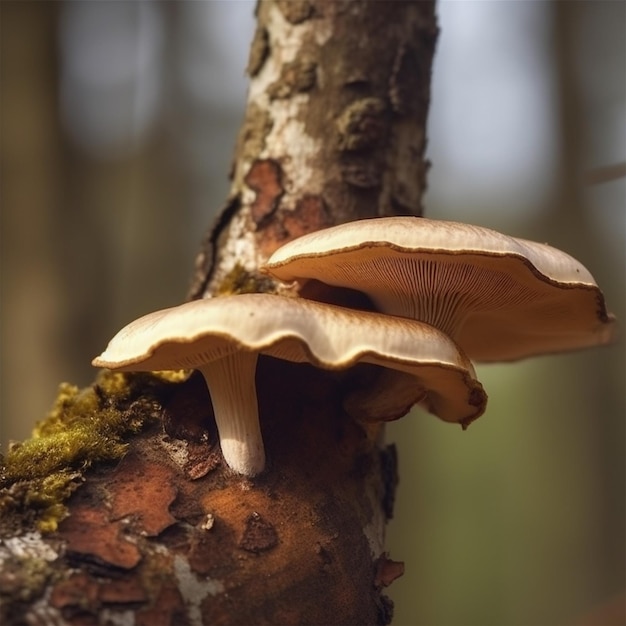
276	337
270	266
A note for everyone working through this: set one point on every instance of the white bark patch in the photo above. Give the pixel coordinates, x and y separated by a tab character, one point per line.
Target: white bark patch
176	449
209	522
375	532
240	249
42	614
193	589
285	41
29	545
289	137
288	142
118	618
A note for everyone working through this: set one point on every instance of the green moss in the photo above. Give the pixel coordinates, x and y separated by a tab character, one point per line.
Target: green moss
173	376
239	281
85	426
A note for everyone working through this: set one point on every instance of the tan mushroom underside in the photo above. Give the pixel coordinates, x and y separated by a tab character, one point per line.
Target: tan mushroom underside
299	330
499	297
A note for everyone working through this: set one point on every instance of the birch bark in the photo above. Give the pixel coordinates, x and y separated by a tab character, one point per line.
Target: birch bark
334	131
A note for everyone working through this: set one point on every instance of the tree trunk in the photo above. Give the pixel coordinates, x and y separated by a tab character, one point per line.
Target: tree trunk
156	528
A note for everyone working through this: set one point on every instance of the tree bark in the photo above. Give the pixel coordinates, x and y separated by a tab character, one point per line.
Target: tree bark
335	128
159	531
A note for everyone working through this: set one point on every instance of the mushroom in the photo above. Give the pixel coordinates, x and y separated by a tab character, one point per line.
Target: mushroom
222	337
498	297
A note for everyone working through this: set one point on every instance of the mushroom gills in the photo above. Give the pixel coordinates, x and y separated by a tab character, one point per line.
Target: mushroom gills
499	298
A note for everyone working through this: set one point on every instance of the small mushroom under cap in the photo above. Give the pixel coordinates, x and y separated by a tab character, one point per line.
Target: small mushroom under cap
222	338
500	298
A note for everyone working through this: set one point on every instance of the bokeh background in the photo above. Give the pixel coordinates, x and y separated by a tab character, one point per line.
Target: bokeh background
117	126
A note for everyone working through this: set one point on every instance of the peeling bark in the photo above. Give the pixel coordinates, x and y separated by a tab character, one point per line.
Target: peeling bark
334	131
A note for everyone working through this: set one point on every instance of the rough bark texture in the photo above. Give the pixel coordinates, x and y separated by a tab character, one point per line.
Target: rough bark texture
334	128
334	131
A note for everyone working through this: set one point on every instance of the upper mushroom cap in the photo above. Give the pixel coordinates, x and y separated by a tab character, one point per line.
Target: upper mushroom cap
499	297
298	330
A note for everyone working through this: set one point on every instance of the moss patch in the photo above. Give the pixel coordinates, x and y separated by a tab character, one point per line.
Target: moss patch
85	426
239	281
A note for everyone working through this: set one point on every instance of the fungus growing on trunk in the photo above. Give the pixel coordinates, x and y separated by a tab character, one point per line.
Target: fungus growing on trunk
222	337
500	298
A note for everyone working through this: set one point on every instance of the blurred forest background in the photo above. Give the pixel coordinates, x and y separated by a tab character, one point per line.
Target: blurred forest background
118	124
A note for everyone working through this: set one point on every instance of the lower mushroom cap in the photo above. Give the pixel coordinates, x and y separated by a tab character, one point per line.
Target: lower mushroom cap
330	337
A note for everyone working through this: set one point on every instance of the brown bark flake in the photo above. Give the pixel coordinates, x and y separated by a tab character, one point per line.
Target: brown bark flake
259	535
310	214
144	492
264	178
85	592
89	533
387	571
122	591
201	460
79	590
295	11
168	609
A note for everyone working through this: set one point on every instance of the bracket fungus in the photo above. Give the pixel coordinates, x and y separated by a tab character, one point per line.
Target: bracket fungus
500	298
222	338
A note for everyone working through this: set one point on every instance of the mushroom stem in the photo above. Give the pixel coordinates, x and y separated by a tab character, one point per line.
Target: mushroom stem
231	383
